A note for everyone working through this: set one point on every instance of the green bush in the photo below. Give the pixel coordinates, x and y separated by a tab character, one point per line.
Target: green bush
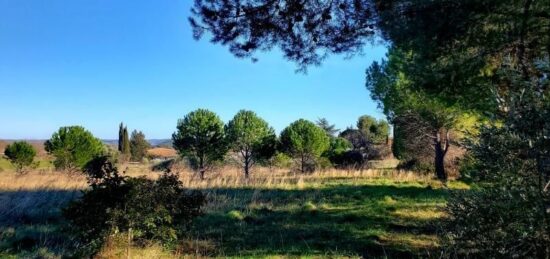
236	215
21	155
281	160
417	166
145	209
324	163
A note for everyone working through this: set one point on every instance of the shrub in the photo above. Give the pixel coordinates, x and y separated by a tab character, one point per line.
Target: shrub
236	215
337	147
417	166
351	159
73	147
324	163
21	155
309	207
281	160
145	209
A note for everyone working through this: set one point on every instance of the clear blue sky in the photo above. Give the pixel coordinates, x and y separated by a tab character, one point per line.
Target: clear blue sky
96	63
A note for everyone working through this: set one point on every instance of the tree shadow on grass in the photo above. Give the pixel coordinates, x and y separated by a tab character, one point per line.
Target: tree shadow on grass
33	207
342	220
31	220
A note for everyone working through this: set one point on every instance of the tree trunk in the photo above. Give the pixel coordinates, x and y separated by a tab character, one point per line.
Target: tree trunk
303	164
201	168
441	147
201	172
246	167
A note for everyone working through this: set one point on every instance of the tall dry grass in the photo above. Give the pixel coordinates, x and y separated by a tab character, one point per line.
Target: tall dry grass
38	195
37	198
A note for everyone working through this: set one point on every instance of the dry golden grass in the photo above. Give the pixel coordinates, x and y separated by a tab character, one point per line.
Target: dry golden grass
38	196
34	191
162	152
41	181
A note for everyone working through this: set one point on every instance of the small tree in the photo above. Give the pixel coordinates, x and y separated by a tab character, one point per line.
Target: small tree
124	143
251	138
200	137
138	146
304	141
73	147
21	155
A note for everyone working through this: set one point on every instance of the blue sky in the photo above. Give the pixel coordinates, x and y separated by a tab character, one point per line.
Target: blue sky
96	63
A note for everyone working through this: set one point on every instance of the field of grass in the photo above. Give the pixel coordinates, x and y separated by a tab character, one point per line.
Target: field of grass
43	165
371	213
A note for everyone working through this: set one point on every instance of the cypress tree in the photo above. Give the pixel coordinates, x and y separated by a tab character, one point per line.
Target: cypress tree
120	137
125	143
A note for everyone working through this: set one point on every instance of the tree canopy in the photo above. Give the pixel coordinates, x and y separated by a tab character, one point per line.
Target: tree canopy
20	154
305	31
330	129
251	138
138	146
73	147
376	131
200	137
447	59
304	141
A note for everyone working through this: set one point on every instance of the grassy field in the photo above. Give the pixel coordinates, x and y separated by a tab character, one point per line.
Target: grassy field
373	213
43	165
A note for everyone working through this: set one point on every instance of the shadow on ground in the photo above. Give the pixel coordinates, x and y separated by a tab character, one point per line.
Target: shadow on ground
336	220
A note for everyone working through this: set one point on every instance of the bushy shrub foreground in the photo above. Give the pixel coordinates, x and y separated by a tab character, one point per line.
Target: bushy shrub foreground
145	209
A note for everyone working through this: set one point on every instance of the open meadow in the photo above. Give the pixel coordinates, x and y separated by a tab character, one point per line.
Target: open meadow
334	213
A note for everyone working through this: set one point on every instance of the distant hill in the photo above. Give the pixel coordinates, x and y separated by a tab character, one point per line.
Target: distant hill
167	143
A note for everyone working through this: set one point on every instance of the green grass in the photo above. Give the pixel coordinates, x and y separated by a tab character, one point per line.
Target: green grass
43	164
340	217
336	219
5	164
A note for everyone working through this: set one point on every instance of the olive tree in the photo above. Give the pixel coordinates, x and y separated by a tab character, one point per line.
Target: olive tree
73	147
304	141
200	137
251	138
20	154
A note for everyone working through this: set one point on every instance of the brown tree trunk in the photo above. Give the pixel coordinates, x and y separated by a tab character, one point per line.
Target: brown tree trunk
441	147
201	168
247	168
303	164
